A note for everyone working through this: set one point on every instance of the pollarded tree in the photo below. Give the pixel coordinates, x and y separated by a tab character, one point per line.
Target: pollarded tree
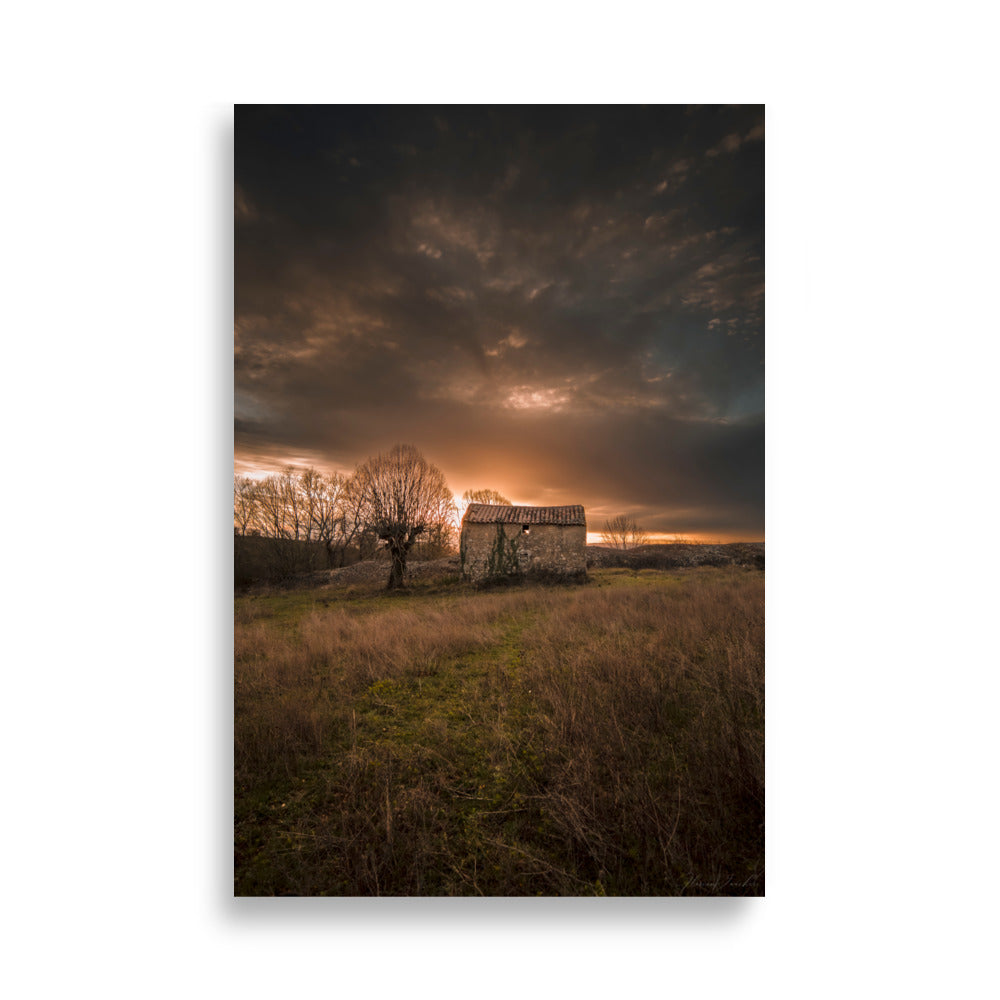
402	496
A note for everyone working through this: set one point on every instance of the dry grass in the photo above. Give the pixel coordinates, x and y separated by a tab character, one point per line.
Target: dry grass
586	740
651	708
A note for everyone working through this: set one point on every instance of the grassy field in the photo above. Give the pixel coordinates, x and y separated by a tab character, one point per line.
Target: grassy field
599	739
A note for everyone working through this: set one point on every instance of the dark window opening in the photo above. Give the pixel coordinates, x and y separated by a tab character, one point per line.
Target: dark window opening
525	529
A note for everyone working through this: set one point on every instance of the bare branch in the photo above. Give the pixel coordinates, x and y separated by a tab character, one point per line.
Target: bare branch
622	532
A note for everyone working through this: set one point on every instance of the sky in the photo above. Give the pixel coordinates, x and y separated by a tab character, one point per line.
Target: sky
563	303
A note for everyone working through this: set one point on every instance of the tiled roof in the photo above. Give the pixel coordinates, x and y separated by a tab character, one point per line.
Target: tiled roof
484	513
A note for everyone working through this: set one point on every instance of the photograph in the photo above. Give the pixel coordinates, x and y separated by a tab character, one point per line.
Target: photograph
519	413
498	500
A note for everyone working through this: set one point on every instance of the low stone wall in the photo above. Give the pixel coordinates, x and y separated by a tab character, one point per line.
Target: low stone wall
494	551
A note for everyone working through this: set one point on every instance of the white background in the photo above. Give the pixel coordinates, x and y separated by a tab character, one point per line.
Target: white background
882	323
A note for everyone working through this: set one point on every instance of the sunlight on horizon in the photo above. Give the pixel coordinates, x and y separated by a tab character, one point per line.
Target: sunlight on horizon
679	538
262	468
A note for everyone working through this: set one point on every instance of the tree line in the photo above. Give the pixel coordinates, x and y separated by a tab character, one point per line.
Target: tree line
395	499
392	498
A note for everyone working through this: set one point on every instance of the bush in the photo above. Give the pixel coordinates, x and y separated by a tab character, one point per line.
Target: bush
274	560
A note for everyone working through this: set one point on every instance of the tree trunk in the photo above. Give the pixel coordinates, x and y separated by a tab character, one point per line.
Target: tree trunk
397	556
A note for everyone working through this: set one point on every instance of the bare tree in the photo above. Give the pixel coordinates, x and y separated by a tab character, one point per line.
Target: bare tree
272	512
401	496
245	505
489	496
318	497
348	522
311	501
486	496
623	533
441	528
291	496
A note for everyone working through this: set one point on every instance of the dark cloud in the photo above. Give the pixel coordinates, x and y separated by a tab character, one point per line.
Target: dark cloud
562	303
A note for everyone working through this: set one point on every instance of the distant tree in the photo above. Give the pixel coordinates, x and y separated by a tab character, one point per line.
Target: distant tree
439	538
329	508
275	518
623	533
402	496
297	505
244	505
494	497
486	496
314	504
348	524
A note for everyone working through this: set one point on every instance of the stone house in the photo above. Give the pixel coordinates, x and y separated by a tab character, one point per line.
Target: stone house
501	541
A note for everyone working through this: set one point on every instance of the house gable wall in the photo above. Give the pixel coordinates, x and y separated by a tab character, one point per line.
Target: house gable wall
496	550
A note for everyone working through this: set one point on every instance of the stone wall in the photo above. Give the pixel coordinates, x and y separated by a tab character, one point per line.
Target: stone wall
498	550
